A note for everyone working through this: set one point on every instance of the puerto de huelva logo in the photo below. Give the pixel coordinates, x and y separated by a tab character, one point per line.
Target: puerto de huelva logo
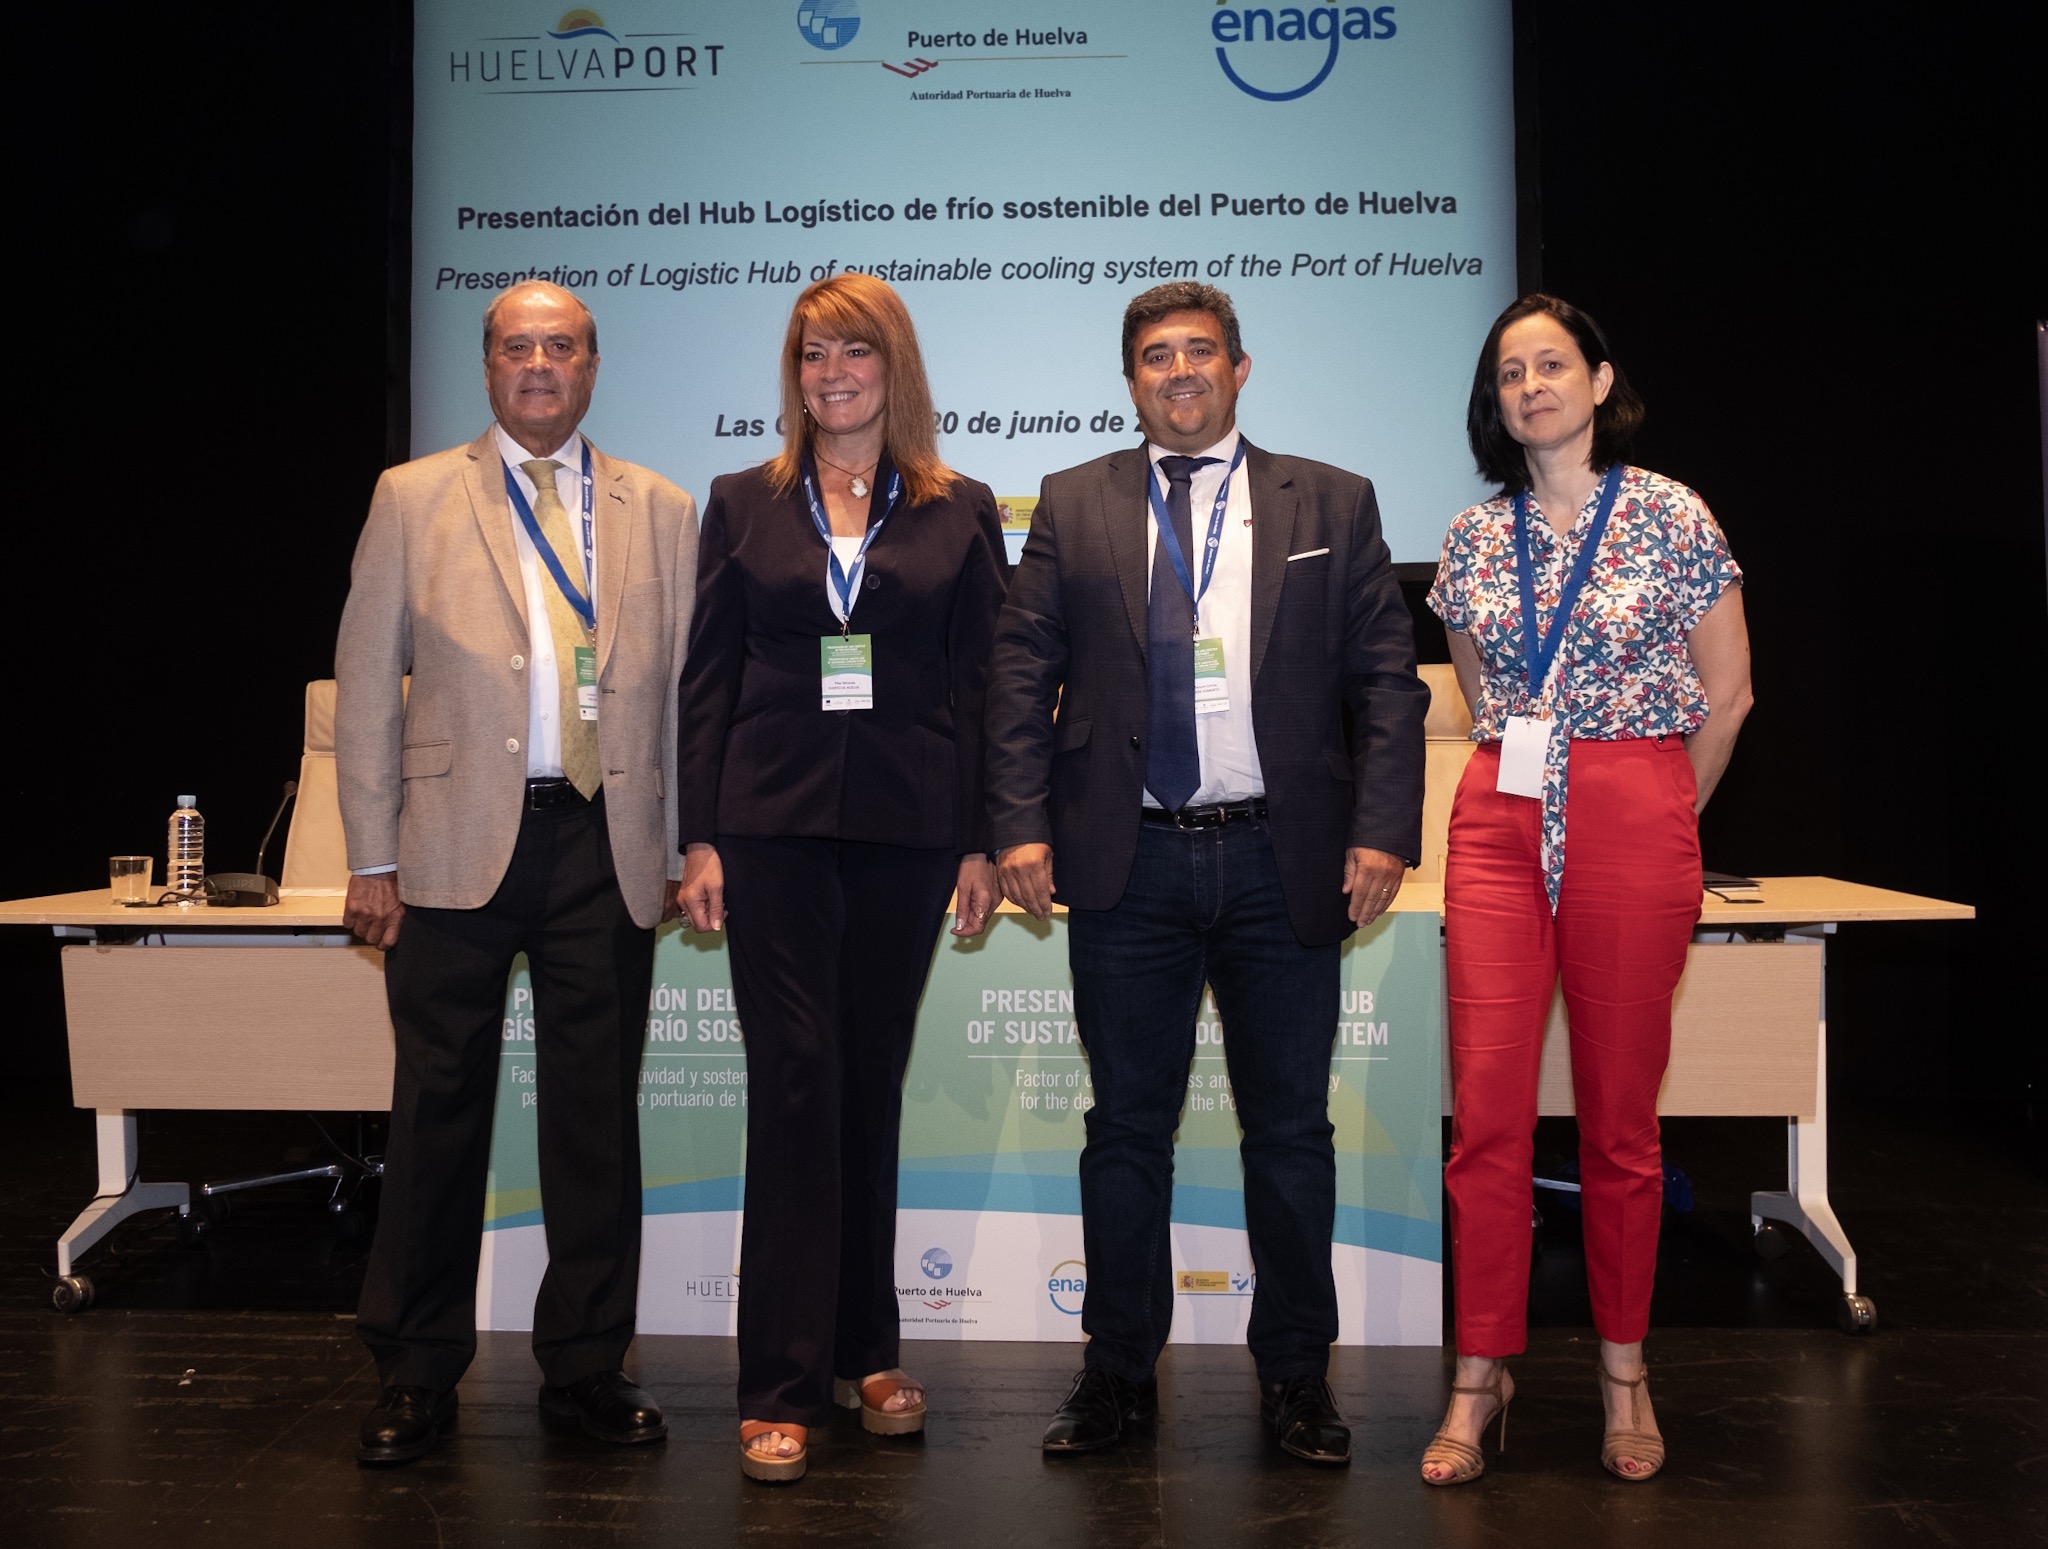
1278	53
828	24
937	1263
579	53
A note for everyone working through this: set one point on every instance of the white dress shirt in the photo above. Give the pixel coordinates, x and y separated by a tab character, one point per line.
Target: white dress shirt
543	691
1225	742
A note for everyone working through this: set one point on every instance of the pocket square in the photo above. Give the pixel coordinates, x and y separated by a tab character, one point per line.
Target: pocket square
1306	554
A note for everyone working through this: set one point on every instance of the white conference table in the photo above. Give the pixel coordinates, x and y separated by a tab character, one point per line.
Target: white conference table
169	1008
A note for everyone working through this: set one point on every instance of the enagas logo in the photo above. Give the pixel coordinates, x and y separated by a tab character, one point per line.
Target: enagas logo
1067	1285
828	24
1263	50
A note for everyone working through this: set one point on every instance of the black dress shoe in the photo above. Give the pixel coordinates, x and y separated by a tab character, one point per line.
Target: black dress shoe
405	1424
1100	1410
1304	1418
605	1405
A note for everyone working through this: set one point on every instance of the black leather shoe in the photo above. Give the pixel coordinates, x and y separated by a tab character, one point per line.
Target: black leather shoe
1100	1410
405	1424
605	1405
1304	1418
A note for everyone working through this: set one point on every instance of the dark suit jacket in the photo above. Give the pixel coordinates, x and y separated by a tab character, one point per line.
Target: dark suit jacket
1337	708
756	755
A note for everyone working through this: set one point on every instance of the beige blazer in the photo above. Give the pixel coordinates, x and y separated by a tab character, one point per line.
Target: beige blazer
434	780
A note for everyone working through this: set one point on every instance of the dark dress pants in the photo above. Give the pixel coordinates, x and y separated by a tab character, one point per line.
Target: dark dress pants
1205	905
592	969
831	942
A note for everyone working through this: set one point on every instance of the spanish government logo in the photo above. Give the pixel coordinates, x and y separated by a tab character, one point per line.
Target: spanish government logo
1280	53
828	24
581	23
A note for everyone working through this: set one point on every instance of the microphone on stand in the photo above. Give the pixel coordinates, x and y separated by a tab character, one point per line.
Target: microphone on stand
250	889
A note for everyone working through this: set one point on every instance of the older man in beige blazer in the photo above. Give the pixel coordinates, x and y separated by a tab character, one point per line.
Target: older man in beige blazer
518	799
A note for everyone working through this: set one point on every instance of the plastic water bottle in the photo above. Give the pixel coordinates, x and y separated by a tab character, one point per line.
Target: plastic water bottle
187	867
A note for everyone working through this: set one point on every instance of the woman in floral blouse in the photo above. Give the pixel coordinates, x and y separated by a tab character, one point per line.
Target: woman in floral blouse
1595	621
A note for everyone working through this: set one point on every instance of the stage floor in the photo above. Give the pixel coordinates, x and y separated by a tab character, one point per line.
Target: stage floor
212	1395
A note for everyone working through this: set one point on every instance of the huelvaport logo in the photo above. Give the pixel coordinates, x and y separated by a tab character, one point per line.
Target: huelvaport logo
1279	45
828	24
580	54
937	1263
581	23
1067	1285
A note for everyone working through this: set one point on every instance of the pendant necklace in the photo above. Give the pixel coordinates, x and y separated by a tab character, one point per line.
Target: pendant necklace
856	484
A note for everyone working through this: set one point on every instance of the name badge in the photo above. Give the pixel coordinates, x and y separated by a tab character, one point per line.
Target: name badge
586	683
846	672
1212	687
1522	750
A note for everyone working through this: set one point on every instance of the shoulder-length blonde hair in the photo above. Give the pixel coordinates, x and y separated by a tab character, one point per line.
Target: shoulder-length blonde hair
860	307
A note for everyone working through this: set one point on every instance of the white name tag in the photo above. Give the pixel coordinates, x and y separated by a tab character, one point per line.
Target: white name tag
586	683
846	672
1522	750
1212	683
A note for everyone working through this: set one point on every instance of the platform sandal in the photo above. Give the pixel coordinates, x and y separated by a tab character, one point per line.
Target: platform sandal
1633	1441
870	1394
772	1467
1465	1461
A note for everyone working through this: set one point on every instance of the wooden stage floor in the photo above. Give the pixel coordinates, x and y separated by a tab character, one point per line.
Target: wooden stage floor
212	1395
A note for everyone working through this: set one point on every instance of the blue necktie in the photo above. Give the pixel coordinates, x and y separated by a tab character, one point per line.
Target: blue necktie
1173	768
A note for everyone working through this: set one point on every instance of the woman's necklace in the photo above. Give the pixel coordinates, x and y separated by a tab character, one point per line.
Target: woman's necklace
856	483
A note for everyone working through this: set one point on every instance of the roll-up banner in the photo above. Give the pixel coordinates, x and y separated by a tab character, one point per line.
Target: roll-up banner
988	1242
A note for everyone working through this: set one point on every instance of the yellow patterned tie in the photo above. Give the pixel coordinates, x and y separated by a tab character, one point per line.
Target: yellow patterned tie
579	737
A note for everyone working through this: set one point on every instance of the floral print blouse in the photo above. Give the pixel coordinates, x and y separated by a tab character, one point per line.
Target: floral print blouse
1623	669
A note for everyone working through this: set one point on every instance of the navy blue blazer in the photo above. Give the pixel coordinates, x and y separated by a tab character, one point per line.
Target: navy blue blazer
1337	707
756	755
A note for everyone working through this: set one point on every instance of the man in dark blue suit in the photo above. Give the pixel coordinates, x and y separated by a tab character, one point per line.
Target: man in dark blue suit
1203	710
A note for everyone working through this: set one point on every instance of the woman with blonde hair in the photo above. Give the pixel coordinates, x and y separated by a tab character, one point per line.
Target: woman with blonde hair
829	779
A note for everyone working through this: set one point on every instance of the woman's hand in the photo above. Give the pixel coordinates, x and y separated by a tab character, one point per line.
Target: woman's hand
702	890
974	895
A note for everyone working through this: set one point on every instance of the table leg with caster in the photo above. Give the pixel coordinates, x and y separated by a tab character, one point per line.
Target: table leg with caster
1804	1205
120	1196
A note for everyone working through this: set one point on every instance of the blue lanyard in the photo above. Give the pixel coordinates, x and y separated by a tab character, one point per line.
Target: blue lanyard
577	598
1171	539
1541	649
841	583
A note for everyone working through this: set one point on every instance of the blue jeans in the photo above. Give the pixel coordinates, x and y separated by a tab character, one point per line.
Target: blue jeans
1205	905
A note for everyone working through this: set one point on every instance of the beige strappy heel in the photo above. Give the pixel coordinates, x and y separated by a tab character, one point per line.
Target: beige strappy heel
1465	1461
1634	1441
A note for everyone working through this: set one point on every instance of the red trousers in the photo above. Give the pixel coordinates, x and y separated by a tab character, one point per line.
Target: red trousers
1624	917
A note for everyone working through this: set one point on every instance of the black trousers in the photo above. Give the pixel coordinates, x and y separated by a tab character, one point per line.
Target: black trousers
592	969
831	942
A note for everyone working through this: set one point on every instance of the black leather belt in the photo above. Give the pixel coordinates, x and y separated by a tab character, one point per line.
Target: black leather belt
1208	817
544	795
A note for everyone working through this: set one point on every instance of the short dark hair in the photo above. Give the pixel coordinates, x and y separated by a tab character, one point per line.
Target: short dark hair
1497	454
1180	296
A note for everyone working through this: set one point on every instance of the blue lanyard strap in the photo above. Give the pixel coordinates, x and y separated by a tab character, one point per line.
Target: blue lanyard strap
1171	539
576	596
1541	649
842	583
